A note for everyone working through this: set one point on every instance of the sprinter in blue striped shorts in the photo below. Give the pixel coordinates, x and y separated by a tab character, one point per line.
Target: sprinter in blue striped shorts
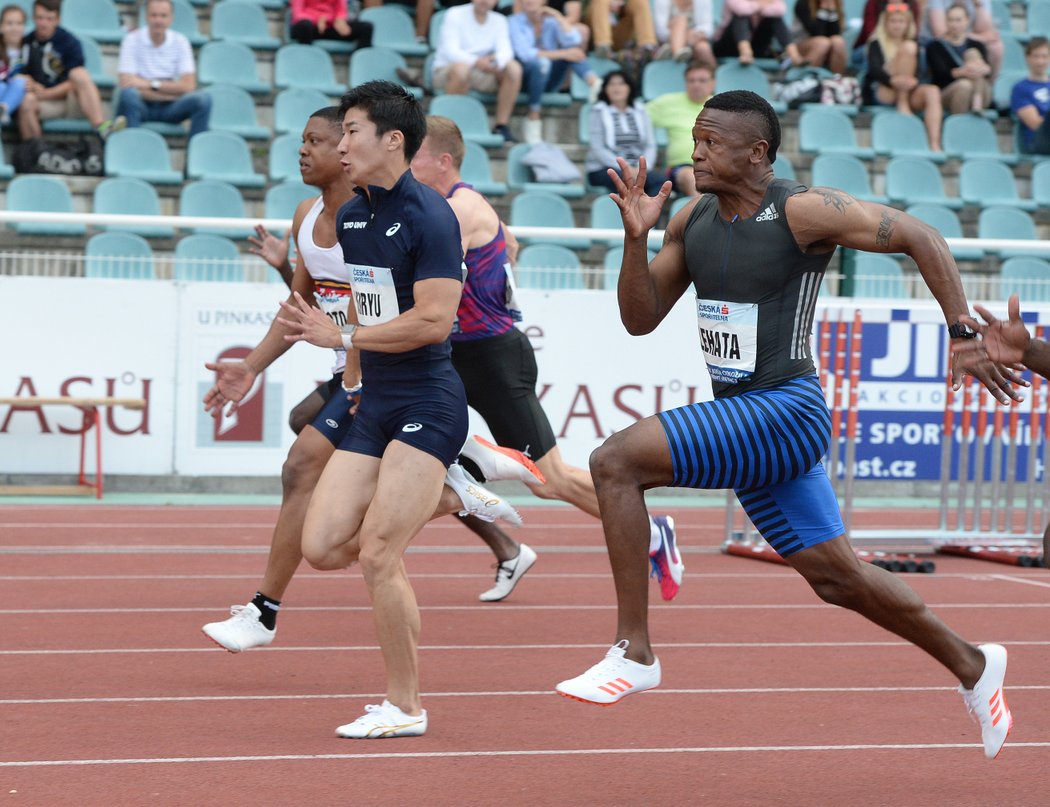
755	249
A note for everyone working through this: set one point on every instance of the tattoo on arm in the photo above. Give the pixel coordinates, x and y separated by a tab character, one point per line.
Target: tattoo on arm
833	198
885	232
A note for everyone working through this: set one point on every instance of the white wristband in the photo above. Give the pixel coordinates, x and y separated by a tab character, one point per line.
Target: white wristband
347	335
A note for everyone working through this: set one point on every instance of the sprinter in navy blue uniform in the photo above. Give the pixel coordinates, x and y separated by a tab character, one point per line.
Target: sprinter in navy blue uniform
401	244
754	248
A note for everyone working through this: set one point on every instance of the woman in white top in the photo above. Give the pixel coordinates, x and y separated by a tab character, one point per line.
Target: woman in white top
620	127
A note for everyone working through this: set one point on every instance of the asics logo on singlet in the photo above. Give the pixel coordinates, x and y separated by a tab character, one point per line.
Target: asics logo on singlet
769	214
354	225
412	427
394	228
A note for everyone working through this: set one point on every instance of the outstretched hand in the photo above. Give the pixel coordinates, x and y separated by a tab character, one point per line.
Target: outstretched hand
233	379
308	323
1003	341
639	211
269	247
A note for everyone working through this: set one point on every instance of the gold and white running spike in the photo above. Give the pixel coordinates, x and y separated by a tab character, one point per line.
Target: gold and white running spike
477	501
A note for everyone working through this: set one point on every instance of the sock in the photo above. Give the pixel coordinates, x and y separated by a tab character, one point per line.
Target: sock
268	609
654	537
471	468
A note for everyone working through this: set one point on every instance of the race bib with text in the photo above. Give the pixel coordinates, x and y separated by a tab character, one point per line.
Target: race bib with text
729	339
375	297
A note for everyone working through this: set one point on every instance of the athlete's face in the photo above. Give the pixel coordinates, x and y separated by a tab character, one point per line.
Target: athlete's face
722	149
319	155
426	165
363	154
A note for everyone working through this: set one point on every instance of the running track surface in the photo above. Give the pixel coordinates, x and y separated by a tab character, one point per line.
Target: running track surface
111	695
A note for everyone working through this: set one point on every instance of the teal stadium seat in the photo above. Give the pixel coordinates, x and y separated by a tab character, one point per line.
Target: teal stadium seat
878	276
227	62
1041	183
783	168
233	110
549	266
1027	277
93	63
605	215
207	257
379	63
284	158
520	177
946	222
212	198
119	255
184	21
915	180
395	29
224	156
305	66
847	173
130	196
1010	223
1013	52
828	131
578	89
293	107
967	137
663	77
140	153
477	170
985	182
45	195
97	19
611	264
894	134
542	209
281	200
732	75
243	22
470	116
676	206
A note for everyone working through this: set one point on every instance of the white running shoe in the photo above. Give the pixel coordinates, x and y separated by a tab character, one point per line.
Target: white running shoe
384	720
508	573
612	678
498	463
987	703
665	559
242	631
477	501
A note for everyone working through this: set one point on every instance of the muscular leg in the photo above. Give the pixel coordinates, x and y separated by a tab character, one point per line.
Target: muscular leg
502	545
306	410
839	578
566	483
624	467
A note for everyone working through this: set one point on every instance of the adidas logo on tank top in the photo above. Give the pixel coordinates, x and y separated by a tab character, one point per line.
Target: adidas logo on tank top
769	214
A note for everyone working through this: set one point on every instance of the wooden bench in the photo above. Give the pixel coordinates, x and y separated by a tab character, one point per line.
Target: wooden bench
92	418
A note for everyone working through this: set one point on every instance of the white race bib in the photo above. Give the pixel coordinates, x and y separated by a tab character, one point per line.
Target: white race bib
729	338
334	301
375	296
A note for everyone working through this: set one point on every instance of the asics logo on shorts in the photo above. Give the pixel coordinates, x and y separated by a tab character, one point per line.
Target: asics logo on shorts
412	427
334	424
394	228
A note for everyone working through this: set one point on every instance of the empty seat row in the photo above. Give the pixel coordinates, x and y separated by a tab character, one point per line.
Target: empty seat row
197	257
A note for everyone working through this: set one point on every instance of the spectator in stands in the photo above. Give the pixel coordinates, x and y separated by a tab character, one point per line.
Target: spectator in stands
547	45
893	71
12	84
821	43
684	29
619	25
620	127
158	76
572	10
474	53
958	64
57	83
327	19
676	112
1030	98
872	10
748	29
983	30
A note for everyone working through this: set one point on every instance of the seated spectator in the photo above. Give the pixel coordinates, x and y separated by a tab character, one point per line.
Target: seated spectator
958	65
684	29
1030	98
57	83
12	84
327	19
748	29
872	10
821	43
619	25
547	45
572	10
620	127
893	71
157	74
935	26
474	53
676	112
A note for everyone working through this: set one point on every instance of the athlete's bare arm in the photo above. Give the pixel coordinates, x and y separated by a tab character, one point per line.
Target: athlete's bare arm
478	221
823	218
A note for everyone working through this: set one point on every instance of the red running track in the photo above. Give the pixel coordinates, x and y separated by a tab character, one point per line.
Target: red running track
111	695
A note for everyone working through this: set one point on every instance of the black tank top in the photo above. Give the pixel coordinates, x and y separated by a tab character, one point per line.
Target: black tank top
756	293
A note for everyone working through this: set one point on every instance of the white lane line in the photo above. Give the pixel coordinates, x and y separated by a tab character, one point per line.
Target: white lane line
545	752
1011	578
517	694
100	651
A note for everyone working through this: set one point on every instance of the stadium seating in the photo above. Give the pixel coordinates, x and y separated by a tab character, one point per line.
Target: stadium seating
233	110
379	63
140	153
549	266
1028	277
946	222
211	198
894	134
130	196
915	180
878	276
477	170
208	257
470	116
97	19
227	62
542	209
284	158
828	131
1009	223
119	255
847	173
42	194
520	178
985	182
305	66
293	107
242	22
282	200
224	156
967	137
395	29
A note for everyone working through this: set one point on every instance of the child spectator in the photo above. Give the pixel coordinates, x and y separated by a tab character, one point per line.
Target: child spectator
1030	98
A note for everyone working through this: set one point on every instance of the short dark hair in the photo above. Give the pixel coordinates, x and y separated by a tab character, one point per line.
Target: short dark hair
1036	42
391	108
330	114
49	5
631	97
4	11
745	102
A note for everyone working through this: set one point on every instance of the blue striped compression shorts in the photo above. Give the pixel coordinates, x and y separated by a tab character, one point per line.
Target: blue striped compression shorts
767	446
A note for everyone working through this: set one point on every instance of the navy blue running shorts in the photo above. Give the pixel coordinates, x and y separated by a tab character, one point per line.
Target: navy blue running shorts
334	419
767	446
